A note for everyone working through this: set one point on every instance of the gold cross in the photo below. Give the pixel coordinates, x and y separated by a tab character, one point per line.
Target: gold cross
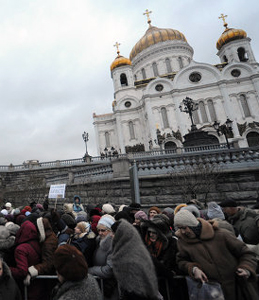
223	17
117	46
147	13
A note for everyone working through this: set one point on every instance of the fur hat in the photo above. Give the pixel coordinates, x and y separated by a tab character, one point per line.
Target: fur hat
178	207
140	215
40	227
70	263
106	221
69	219
215	211
135	206
84	226
108	208
193	209
228	203
154	208
185	218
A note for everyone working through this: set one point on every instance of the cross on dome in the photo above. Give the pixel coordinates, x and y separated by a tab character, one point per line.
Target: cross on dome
223	17
117	46
147	13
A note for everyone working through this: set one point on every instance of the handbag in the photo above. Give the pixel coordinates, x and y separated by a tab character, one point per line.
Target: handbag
204	290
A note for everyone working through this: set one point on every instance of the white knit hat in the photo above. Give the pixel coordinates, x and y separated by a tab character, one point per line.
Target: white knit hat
108	208
106	221
185	218
8	204
215	211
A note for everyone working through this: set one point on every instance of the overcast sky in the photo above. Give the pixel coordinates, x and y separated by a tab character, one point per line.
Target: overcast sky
55	58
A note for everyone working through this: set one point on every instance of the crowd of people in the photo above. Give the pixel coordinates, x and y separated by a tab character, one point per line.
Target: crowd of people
128	252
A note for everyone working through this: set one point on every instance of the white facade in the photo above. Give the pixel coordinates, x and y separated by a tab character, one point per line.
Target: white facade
148	94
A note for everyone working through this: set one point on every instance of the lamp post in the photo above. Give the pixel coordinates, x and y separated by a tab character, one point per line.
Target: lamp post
189	107
224	129
85	137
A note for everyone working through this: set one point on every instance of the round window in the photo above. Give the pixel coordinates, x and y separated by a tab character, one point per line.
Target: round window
159	87
127	104
235	73
195	77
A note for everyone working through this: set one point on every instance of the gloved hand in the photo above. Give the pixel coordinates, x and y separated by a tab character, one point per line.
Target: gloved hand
27	280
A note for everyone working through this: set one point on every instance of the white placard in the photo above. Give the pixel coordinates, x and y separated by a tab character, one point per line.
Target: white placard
57	191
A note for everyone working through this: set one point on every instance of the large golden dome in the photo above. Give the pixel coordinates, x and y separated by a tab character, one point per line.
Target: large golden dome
229	34
120	61
155	35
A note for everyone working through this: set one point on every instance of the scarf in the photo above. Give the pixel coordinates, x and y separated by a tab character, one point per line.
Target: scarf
153	248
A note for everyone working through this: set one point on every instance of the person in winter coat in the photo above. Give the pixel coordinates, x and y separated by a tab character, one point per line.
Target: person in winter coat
74	281
132	264
48	244
207	252
77	206
102	258
84	240
8	287
27	253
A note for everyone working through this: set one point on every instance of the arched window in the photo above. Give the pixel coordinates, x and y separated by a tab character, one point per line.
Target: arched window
107	139
124	81
212	112
252	139
155	70
131	130
196	118
204	116
180	60
242	54
168	65
245	106
225	59
143	73
164	117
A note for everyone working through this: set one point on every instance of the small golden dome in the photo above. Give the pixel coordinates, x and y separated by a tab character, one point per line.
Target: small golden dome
156	35
229	35
120	61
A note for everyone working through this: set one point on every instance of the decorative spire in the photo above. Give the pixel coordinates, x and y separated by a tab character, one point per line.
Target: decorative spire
117	46
223	17
147	13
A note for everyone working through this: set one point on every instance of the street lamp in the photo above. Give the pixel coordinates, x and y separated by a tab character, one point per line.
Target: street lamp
85	137
189	107
224	129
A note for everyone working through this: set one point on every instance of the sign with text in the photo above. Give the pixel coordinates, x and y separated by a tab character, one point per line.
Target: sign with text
57	191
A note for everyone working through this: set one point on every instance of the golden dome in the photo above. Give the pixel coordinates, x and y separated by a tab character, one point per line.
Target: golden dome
156	35
120	61
229	35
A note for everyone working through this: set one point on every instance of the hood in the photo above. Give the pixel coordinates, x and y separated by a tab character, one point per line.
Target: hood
27	232
76	196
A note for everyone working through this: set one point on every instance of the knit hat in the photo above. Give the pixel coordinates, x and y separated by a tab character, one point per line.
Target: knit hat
106	221
27	208
13	228
4	212
135	206
108	208
70	263
84	226
27	213
16	211
140	215
215	211
154	208
228	203
193	209
39	206
185	218
8	204
178	207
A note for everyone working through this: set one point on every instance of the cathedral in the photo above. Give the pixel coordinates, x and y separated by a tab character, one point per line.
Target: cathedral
150	86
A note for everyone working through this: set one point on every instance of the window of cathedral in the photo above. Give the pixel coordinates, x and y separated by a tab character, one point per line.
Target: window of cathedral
155	70
123	79
242	54
144	76
164	117
168	65
131	130
212	111
196	118
252	139
159	87
225	59
235	73
107	139
127	104
195	77
204	116
245	106
180	60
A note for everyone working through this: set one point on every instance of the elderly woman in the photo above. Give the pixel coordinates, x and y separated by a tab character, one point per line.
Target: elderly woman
74	282
102	259
207	252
